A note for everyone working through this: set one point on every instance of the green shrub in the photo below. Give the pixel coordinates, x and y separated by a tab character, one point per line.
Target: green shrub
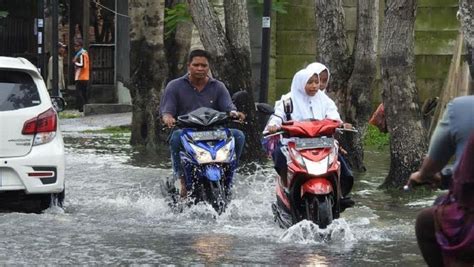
374	138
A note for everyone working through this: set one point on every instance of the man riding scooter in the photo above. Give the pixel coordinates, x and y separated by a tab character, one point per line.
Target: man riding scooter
194	90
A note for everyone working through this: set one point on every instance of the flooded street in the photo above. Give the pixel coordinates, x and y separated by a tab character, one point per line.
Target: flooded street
115	214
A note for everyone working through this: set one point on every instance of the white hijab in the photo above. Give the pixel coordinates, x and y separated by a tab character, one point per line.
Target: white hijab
319	106
303	104
318	68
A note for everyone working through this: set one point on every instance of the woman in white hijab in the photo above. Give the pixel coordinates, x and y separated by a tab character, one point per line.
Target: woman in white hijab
308	101
323	73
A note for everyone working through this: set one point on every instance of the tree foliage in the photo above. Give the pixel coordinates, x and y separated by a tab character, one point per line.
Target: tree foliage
174	16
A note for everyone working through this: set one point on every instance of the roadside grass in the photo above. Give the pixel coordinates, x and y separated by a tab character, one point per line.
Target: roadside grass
68	115
376	139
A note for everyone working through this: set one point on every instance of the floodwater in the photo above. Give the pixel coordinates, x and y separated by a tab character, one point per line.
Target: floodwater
114	214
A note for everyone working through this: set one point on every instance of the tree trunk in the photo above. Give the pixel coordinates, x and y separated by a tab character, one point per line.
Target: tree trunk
231	59
466	11
332	49
400	97
361	83
148	68
178	45
352	93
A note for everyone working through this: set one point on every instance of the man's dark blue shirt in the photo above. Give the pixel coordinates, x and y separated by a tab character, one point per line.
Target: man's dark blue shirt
181	97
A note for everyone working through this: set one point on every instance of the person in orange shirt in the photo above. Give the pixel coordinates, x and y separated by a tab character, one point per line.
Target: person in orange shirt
81	74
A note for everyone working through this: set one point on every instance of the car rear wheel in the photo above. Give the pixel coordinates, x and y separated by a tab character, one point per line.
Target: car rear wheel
53	199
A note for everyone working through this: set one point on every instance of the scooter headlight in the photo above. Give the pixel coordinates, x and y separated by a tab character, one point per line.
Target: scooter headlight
201	155
223	154
317	167
298	157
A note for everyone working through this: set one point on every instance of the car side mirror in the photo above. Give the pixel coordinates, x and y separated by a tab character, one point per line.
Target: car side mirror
58	102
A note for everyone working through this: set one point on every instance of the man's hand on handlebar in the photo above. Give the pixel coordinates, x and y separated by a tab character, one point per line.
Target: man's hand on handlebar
417	178
169	121
237	115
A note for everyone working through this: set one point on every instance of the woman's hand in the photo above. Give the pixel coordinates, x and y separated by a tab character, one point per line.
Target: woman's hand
273	128
347	126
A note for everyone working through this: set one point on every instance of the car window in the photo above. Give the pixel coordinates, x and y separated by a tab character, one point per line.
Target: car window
17	90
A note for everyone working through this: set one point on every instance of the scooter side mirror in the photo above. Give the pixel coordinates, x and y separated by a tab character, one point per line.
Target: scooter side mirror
241	100
264	108
288	107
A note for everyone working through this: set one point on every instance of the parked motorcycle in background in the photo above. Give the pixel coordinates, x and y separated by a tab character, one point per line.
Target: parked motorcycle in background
311	187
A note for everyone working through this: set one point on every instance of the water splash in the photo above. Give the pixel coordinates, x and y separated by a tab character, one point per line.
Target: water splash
307	232
54	209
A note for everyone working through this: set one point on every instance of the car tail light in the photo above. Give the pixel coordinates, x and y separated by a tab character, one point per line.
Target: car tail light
43	127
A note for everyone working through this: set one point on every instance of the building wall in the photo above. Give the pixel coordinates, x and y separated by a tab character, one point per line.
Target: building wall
436	29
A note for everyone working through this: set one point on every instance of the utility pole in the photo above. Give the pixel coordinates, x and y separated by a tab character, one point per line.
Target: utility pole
39	32
55	69
85	24
265	55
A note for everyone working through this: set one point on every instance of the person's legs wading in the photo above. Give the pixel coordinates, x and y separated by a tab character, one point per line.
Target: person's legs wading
425	236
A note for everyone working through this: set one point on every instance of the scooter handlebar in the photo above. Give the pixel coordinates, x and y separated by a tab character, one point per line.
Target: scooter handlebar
353	130
267	134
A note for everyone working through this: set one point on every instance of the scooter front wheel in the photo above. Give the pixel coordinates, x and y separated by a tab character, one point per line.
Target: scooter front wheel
319	209
216	195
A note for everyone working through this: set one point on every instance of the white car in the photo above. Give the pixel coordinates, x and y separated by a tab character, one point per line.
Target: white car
31	145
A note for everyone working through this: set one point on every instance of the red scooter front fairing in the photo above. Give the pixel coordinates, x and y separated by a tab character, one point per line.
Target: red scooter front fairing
311	189
317	186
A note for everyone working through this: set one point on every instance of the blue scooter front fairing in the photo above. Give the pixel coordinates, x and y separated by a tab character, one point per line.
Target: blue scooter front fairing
208	159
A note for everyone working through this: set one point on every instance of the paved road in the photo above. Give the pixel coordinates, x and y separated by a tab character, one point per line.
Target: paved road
95	122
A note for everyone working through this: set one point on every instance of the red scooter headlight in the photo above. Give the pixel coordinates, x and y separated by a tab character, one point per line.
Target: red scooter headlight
297	156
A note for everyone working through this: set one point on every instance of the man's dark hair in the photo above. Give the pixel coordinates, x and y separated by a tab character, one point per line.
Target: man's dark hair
199	53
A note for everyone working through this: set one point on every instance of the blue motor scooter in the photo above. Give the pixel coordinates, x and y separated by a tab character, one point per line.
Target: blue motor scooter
208	159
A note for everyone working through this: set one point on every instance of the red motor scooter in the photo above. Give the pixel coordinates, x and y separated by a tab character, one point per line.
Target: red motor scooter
311	187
